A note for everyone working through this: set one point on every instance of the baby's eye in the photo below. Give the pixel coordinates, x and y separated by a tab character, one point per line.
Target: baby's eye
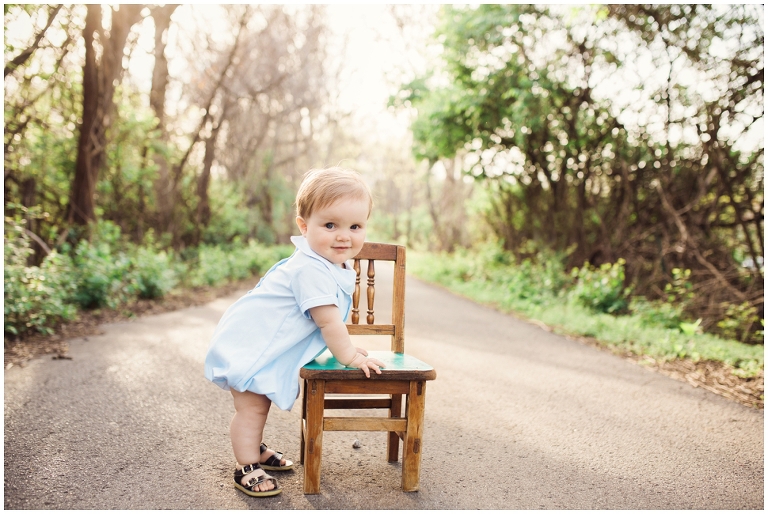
329	225
355	227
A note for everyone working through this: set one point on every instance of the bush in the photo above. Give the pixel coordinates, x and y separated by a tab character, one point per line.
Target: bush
153	274
218	264
212	267
658	314
602	289
108	271
489	270
102	269
35	298
738	322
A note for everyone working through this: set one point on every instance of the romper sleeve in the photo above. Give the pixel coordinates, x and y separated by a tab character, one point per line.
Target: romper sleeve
314	286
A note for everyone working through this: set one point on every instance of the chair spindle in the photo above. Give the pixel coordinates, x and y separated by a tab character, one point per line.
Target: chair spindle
371	290
356	294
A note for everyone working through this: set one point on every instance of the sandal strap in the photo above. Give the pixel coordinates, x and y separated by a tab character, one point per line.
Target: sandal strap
248	468
272	460
253	482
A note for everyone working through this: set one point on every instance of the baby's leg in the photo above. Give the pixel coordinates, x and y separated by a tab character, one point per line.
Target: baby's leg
247	429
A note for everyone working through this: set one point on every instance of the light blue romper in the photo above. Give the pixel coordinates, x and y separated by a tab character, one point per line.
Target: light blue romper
266	336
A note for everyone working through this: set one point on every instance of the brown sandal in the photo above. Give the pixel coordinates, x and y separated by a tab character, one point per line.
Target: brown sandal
248	488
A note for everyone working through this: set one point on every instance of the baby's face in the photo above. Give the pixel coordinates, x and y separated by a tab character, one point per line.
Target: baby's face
336	231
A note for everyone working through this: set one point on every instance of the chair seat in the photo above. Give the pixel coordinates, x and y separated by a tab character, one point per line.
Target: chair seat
398	366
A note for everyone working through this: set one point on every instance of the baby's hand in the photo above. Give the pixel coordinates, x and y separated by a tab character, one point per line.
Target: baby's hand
366	364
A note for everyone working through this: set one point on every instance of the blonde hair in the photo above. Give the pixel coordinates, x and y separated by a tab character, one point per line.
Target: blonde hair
322	187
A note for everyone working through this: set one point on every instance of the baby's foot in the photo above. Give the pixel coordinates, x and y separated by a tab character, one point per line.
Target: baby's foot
253	481
266	484
270	453
273	460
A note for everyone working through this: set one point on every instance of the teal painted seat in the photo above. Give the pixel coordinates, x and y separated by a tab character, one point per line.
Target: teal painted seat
402	382
395	362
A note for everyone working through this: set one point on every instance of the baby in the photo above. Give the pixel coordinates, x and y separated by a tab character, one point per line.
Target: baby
295	311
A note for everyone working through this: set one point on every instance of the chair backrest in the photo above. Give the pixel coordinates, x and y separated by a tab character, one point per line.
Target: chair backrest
373	252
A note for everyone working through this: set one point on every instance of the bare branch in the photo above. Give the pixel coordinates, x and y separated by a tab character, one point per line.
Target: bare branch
27	53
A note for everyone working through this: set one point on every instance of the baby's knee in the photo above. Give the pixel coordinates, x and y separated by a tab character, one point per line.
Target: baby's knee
251	402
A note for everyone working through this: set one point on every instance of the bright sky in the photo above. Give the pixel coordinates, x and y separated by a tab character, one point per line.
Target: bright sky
375	56
366	58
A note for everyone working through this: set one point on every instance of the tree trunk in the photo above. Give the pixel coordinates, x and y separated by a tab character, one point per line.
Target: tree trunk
99	78
162	17
203	215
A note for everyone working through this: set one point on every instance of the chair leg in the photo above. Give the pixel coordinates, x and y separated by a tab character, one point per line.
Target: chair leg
315	399
412	441
393	441
303	421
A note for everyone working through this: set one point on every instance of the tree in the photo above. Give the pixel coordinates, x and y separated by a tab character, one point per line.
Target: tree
102	70
651	172
163	187
39	152
264	105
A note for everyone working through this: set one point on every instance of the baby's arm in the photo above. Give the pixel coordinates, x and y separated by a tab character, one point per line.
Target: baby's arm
328	319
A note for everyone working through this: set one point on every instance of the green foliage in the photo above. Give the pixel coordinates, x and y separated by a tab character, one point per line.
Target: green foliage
602	288
230	218
632	333
35	297
107	271
691	328
680	290
522	97
656	313
154	274
102	269
412	228
41	113
739	321
213	266
126	184
218	264
496	275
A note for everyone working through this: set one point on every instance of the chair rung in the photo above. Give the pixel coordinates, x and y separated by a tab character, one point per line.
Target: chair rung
371	330
365	424
367	386
358	403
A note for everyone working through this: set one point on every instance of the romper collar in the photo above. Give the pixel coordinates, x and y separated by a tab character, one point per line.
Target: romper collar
344	277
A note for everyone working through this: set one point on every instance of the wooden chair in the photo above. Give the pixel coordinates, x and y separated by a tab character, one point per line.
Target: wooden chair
403	378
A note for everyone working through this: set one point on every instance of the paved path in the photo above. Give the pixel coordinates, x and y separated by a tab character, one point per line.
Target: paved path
518	418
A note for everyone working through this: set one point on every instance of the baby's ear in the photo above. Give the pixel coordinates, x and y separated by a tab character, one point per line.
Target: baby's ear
301	224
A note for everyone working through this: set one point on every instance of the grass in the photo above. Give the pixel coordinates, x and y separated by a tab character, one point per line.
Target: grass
536	291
